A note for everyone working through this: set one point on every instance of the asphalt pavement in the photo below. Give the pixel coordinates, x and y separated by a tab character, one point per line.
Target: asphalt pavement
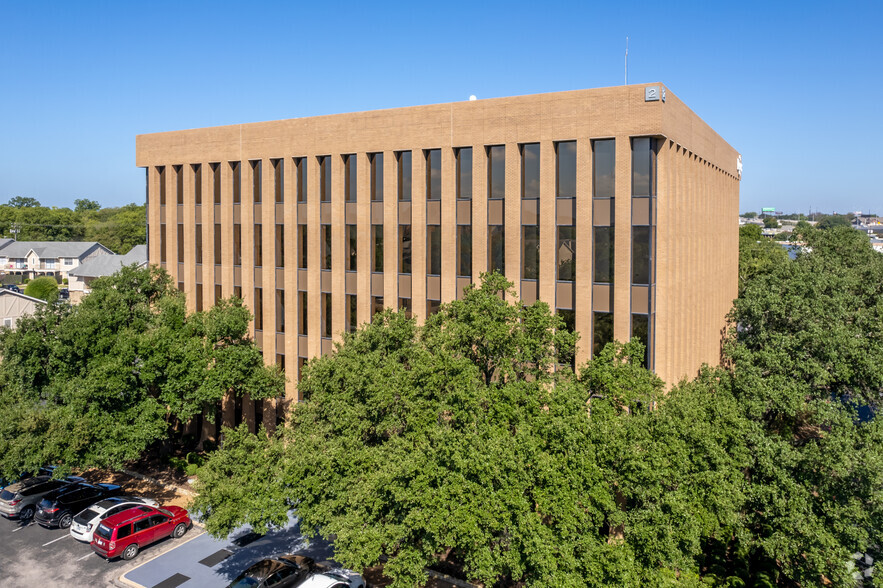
208	562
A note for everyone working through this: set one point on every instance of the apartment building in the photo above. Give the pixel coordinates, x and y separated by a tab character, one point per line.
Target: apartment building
32	259
616	206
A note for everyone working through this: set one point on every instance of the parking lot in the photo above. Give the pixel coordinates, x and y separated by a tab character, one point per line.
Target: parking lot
34	556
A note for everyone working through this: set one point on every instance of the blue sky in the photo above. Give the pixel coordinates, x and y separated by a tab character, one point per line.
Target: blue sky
796	87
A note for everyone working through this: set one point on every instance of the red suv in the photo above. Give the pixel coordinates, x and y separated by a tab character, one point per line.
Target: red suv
124	534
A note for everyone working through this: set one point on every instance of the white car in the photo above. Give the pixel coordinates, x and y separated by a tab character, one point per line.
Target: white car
334	579
85	523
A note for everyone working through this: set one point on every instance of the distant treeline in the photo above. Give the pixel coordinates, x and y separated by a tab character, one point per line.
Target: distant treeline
118	229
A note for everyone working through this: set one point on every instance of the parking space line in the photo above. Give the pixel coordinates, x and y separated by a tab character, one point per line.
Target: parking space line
85	556
54	540
20	528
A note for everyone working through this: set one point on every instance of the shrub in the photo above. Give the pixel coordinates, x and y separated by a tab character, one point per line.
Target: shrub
44	288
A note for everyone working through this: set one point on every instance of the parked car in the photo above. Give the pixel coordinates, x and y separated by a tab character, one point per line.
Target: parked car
58	507
86	521
19	500
13	287
334	579
64	293
283	571
126	533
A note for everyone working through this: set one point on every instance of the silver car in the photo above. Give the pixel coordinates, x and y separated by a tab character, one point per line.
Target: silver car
18	501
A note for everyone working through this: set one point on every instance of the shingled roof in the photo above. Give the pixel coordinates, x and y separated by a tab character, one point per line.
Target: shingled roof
106	265
50	249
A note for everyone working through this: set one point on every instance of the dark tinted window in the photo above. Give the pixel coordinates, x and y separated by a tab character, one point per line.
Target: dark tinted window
279	243
404	249
602	331
352	240
350	178
301	167
123	531
641	247
377	247
89	514
326	247
496	248
6	495
530	170
376	160
302	246
256	180
433	249
530	253
603	253
325	179
237	182
278	184
142	524
641	330
352	321
464	173
604	168
565	169
643	167
496	171
433	174
258	246
464	250
566	253
404	175
104	532
326	314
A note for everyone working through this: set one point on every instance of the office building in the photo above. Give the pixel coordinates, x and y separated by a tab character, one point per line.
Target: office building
617	206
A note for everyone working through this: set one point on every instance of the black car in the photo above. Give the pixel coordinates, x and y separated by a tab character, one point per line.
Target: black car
278	572
58	508
13	287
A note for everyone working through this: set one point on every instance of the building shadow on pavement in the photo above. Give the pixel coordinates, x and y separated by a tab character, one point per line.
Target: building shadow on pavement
274	543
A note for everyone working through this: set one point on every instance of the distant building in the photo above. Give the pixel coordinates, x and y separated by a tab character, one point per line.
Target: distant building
14	305
81	277
32	259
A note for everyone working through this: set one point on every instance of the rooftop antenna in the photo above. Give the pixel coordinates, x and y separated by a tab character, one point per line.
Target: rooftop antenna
626	61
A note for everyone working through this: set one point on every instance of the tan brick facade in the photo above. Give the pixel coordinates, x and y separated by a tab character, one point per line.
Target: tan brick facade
695	260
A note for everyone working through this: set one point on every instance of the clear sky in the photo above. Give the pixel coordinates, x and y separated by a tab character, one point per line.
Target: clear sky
796	87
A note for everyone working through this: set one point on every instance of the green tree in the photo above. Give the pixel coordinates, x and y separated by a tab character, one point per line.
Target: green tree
770	222
23	202
806	351
458	442
757	254
84	204
834	220
44	288
97	384
750	215
118	229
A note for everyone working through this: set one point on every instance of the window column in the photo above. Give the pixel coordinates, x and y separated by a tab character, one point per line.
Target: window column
643	224
603	241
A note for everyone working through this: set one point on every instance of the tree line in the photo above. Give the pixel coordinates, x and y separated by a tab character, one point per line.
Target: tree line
118	229
456	443
468	442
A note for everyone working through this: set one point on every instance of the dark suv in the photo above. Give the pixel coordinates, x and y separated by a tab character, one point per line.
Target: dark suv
57	509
